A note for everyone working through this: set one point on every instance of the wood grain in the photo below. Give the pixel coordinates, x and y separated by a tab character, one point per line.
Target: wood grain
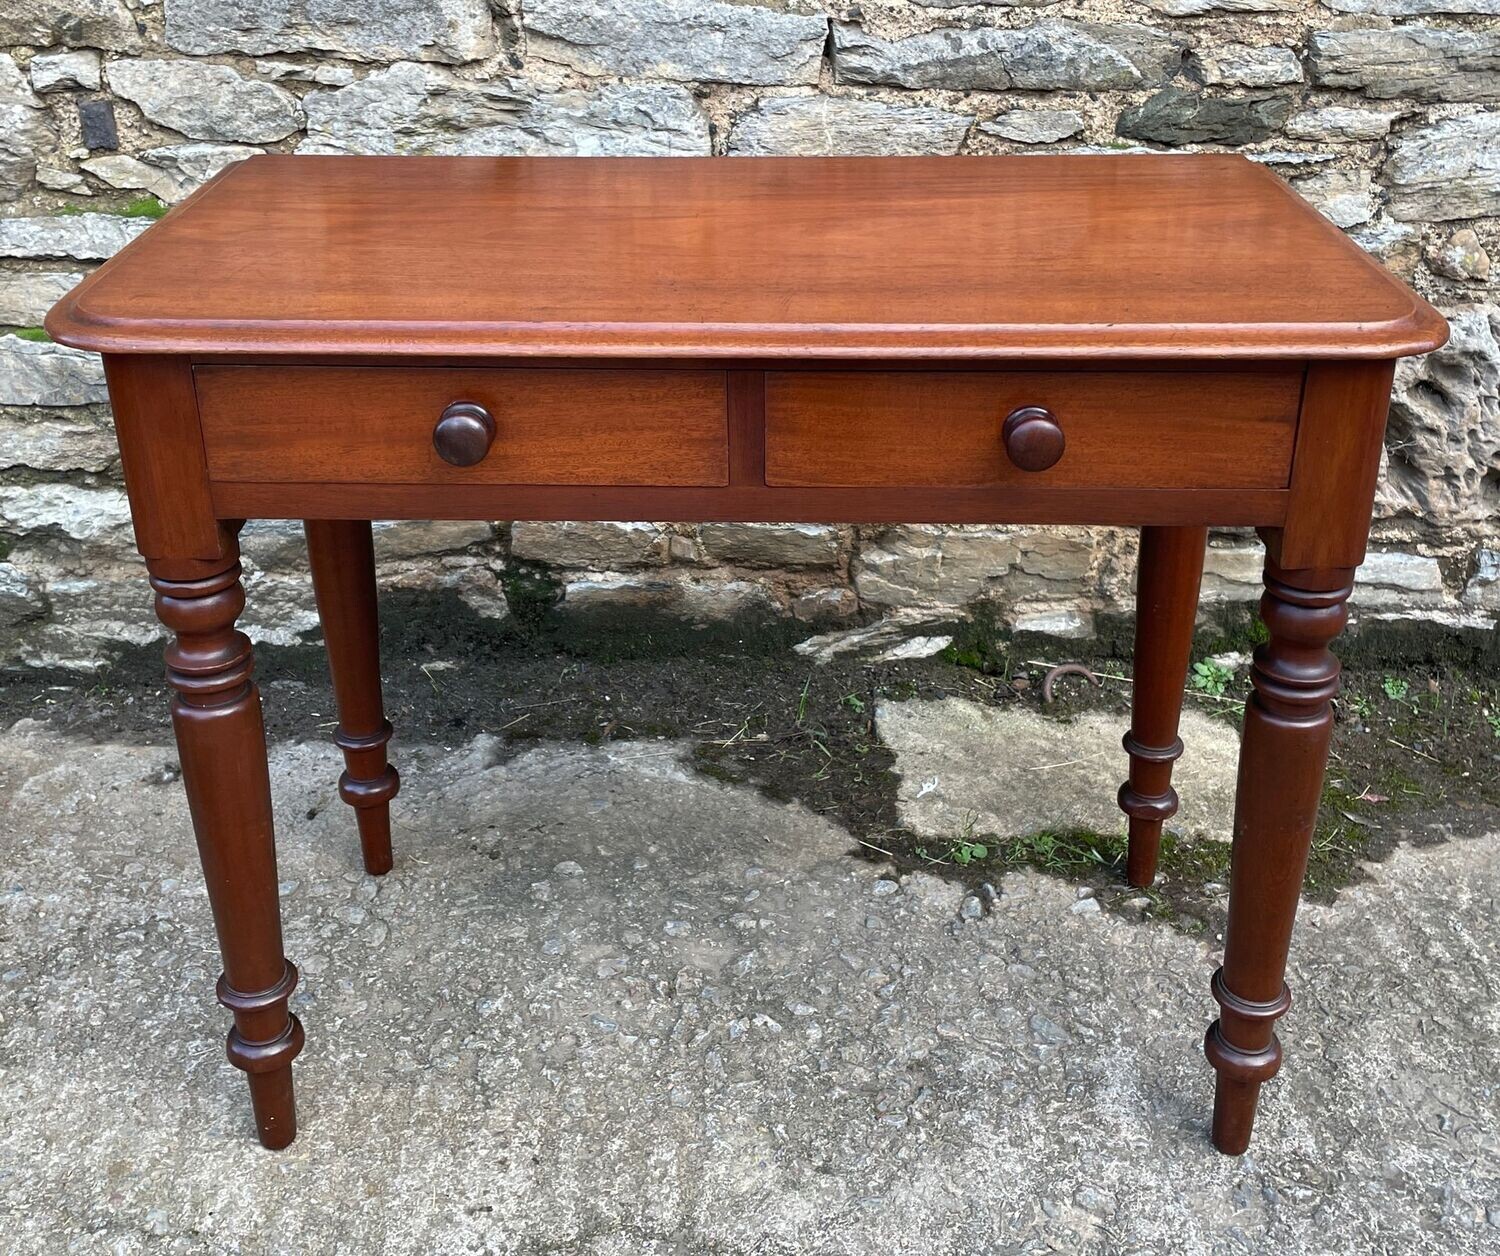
161	454
1340	439
1203	256
1145	429
375	424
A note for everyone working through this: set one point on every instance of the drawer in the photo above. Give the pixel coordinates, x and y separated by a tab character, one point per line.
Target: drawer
374	425
1120	429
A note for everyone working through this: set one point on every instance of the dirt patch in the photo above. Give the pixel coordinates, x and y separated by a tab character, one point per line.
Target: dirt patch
1416	748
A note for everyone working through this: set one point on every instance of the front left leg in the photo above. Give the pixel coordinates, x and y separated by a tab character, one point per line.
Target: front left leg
222	746
1288	726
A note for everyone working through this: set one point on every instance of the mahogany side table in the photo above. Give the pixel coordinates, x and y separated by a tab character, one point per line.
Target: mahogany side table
1170	343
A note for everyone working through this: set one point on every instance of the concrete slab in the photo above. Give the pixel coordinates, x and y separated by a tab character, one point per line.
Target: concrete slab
605	1005
1011	771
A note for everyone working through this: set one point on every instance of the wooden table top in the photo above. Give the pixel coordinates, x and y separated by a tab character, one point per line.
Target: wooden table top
1047	257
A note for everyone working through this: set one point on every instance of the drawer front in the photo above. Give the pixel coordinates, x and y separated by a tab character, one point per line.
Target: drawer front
374	425
1121	429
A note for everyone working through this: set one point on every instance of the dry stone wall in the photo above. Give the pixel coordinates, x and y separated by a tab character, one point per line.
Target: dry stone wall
1385	114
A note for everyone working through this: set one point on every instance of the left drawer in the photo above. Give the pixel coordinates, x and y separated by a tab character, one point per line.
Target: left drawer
374	425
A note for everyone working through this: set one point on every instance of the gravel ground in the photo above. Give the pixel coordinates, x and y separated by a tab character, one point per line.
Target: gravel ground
608	1004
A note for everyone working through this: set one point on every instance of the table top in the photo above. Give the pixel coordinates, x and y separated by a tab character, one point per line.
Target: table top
1029	257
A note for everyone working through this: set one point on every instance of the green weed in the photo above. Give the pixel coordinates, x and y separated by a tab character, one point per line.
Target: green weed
1211	678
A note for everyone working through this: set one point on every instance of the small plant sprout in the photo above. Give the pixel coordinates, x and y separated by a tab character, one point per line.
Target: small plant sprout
1211	678
964	849
966	853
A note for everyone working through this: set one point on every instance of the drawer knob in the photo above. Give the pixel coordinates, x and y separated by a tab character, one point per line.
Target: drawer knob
464	434
1033	439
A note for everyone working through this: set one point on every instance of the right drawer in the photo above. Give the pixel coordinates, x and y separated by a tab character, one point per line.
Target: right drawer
1119	429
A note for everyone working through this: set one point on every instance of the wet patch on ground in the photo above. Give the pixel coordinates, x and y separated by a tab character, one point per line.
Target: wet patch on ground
1416	752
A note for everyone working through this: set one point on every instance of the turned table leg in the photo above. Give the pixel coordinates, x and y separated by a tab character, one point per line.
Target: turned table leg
1288	725
222	745
1166	606
342	556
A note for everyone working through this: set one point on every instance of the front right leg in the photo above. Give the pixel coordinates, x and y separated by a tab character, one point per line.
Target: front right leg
1288	727
221	742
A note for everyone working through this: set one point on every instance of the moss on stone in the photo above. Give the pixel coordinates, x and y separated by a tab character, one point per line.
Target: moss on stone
982	642
136	207
530	593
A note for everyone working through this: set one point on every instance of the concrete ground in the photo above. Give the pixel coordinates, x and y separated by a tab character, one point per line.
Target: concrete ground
606	1004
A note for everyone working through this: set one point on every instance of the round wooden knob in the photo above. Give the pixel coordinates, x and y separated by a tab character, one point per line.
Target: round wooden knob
1033	439
464	434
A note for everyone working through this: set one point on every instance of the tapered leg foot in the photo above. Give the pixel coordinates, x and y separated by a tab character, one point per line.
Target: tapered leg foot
1288	725
1241	1070
1234	1115
1171	567
267	1061
368	784
221	743
274	1107
341	553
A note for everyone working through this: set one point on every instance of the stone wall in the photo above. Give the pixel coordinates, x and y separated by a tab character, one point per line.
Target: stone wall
1384	113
